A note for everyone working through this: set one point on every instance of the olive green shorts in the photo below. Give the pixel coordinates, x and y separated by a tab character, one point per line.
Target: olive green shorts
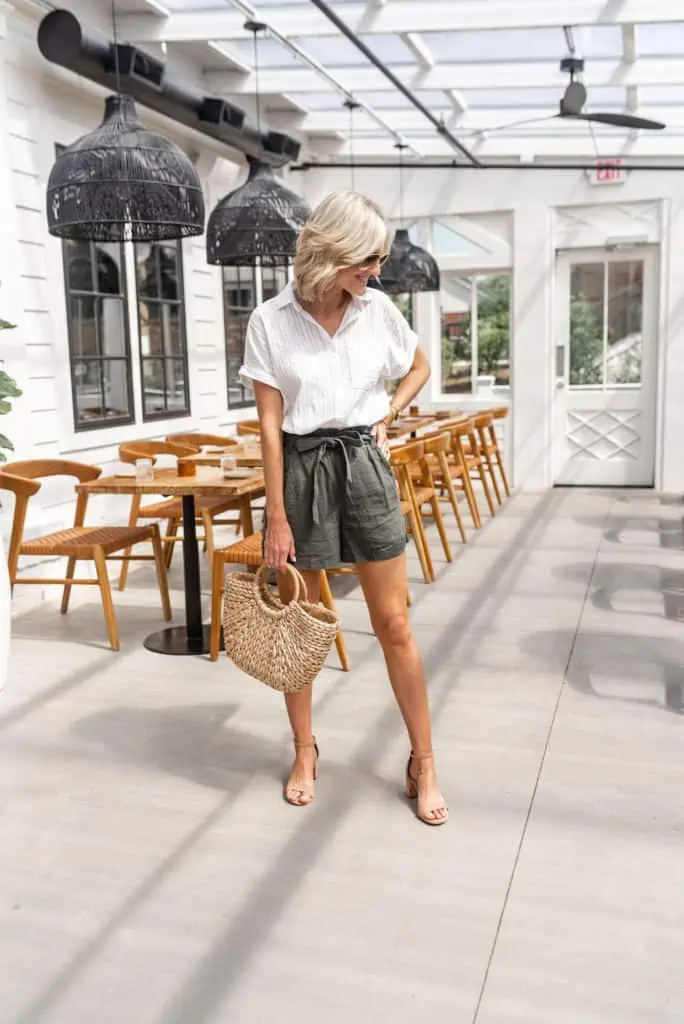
341	499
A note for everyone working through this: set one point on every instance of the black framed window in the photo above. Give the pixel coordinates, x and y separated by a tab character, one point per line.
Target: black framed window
239	299
99	342
163	340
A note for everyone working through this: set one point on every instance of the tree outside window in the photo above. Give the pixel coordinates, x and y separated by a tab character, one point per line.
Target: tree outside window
476	334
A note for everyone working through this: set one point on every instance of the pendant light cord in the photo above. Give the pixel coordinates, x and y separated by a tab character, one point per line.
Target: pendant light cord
257	97
351	106
117	68
401	146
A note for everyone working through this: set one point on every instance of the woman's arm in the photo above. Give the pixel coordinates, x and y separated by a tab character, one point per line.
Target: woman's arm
414	381
408	388
279	543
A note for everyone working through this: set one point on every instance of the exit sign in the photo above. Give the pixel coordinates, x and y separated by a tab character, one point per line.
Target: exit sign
607	172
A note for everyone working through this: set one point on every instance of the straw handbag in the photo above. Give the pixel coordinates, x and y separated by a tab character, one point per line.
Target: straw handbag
283	645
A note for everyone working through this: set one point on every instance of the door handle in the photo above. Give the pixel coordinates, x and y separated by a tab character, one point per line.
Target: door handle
560	366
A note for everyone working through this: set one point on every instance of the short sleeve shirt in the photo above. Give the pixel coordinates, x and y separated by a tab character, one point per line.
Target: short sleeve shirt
329	381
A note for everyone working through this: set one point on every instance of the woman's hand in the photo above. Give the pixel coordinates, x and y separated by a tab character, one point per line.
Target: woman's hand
379	432
279	545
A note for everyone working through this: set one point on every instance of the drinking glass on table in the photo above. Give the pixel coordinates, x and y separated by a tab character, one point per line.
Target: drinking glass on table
228	465
144	470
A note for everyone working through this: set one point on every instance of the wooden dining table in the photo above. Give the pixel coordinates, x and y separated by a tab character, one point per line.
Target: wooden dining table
207	482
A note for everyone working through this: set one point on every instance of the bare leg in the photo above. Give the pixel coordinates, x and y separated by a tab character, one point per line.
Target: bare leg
298	707
385	589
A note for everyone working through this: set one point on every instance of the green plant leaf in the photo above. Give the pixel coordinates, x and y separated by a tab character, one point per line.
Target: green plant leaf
5	407
6	443
8	386
5	325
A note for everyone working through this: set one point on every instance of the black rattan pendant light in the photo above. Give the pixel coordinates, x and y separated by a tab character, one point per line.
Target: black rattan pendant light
260	221
123	182
408	268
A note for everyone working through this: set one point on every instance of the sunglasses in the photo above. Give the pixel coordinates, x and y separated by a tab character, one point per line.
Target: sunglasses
375	257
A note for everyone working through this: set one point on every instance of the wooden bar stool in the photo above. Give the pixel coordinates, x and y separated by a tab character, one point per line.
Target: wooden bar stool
248	552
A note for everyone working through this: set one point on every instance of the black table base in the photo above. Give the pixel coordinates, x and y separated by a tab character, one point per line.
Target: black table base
177	641
193	637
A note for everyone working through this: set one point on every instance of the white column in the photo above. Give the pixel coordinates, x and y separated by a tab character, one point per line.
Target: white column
532	346
428	325
12	353
670	461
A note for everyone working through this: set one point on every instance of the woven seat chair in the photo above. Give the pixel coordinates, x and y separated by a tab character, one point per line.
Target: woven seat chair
489	443
78	543
479	459
171	509
248	552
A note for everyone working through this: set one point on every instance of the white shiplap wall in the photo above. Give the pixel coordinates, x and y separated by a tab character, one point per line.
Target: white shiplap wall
41	106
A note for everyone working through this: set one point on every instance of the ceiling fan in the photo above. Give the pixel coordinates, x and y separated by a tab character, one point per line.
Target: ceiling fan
575	96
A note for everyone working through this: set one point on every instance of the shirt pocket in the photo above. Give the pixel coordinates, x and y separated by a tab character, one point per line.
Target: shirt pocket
365	373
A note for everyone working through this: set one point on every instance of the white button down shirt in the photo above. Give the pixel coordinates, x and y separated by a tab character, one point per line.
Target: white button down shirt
328	381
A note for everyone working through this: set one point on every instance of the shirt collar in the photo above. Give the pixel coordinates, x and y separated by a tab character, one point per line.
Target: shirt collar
287	297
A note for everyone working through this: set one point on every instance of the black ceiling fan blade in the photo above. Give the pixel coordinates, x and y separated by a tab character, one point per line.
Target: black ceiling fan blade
620	121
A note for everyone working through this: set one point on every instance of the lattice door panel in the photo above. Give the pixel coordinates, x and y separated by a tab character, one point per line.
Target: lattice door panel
605	435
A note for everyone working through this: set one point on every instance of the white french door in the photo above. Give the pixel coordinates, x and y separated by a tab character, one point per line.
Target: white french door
605	387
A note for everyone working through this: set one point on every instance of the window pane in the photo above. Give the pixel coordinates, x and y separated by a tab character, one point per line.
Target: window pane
493	324
274	280
239	299
101	390
154	387
586	323
404	304
163	341
176	386
457	361
97	316
151	329
625	324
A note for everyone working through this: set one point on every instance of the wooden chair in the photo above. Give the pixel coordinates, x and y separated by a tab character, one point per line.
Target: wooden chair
405	460
248	427
171	509
248	552
479	457
490	443
202	440
459	469
78	543
437	447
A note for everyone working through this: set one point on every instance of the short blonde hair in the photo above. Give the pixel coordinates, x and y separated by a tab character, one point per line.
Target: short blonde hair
343	231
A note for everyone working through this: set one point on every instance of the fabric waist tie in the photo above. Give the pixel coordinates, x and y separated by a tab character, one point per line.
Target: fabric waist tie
323	442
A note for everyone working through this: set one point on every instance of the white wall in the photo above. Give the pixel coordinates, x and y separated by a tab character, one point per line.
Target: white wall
548	210
41	105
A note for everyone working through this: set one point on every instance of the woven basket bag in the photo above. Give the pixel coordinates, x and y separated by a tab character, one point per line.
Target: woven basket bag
282	645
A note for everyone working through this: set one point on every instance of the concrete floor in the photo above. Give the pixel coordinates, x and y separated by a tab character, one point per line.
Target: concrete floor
150	871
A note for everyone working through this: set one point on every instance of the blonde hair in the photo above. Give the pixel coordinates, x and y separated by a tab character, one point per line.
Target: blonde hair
343	231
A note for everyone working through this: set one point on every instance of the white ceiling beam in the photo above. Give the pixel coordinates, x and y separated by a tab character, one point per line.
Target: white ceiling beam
630	53
629	44
458	102
506	75
419	49
401	16
476	119
652	145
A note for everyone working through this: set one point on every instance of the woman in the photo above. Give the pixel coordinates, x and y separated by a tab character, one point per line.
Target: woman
319	355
